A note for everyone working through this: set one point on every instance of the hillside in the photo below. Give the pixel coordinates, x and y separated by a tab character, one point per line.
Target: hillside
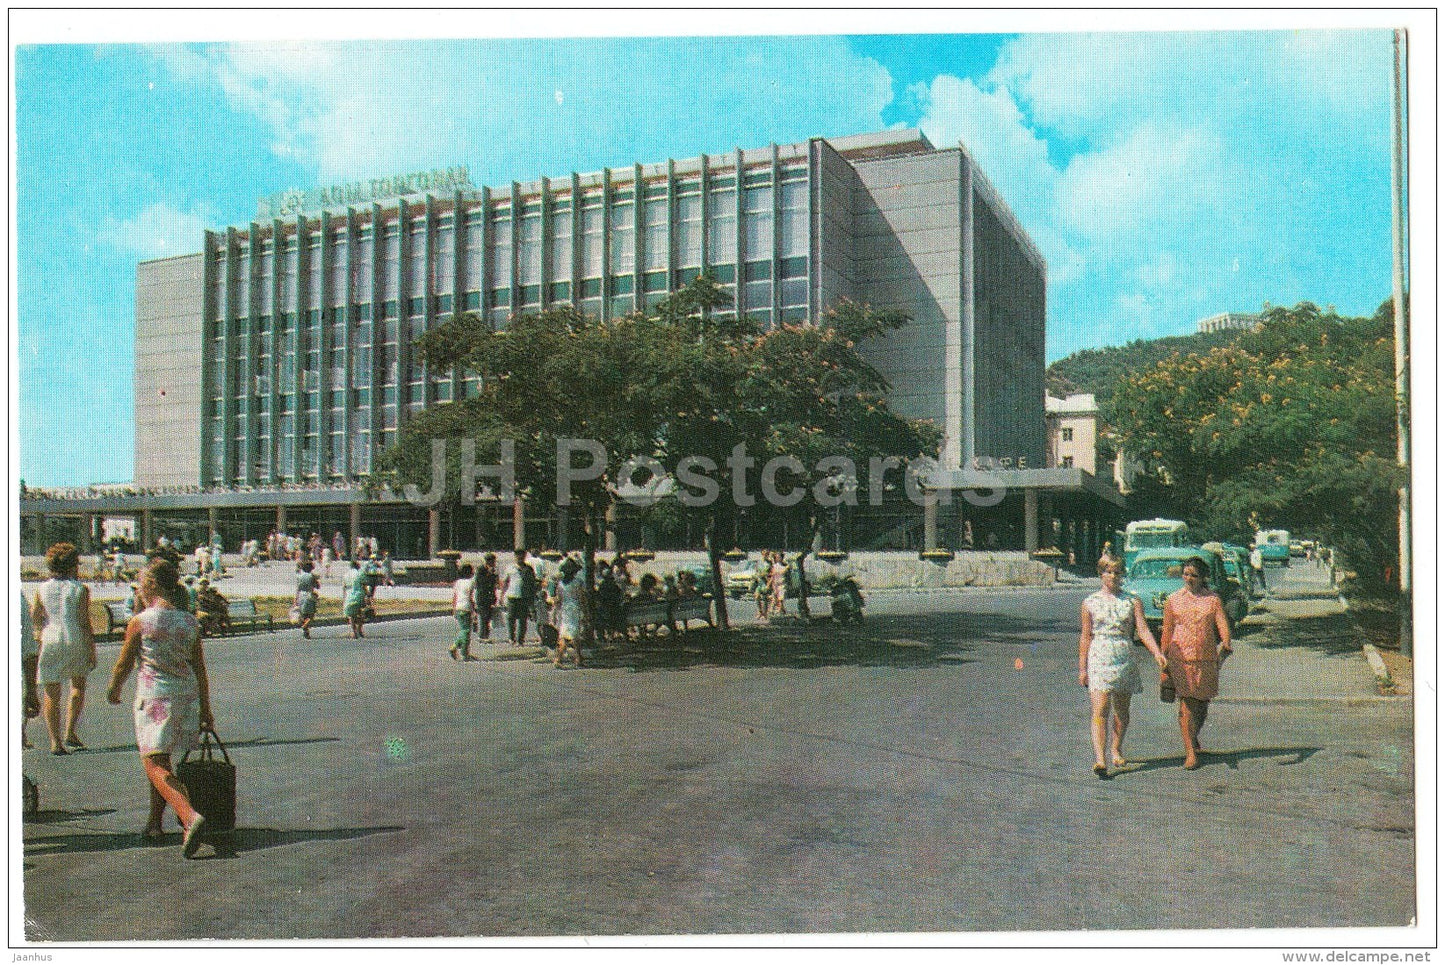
1098	370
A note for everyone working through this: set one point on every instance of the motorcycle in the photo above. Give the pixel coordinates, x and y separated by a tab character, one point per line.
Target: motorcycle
847	600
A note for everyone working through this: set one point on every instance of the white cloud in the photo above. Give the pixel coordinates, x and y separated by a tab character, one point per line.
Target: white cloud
349	110
1161	178
159	231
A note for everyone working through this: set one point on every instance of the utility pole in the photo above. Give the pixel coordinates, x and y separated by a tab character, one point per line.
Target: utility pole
1399	216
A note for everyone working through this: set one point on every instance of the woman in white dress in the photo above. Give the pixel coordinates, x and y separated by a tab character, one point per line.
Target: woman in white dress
567	610
1111	619
61	616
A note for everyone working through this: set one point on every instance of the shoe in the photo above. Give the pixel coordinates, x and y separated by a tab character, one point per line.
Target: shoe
192	840
75	742
1101	771
453	652
59	751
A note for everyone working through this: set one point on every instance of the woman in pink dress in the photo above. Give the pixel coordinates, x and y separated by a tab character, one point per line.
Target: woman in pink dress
172	696
1195	641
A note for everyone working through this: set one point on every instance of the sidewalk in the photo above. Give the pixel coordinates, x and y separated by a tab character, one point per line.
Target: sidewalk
1299	647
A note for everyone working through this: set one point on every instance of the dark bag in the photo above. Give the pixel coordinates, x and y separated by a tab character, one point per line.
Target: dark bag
211	784
1166	687
548	633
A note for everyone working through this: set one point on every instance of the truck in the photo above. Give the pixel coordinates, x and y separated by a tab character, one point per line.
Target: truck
1145	534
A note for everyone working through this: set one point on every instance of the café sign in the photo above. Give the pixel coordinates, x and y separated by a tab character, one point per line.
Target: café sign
295	201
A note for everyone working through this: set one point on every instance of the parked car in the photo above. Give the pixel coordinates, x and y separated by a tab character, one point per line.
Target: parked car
1273	546
1237	570
1296	548
1156	573
743	581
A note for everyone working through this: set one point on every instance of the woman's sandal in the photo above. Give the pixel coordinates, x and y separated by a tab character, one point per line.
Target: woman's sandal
191	842
1101	771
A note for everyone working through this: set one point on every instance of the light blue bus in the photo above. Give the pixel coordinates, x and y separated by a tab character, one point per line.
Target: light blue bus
1146	534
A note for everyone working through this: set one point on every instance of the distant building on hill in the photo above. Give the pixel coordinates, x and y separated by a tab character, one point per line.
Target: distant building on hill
1229	320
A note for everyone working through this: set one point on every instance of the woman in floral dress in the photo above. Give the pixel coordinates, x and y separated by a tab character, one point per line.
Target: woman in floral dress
1110	620
1196	642
172	696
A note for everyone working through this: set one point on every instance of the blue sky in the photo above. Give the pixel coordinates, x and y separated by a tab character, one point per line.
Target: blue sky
1165	176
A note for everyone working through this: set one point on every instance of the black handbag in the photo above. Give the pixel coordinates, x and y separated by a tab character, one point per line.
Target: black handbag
210	783
1166	687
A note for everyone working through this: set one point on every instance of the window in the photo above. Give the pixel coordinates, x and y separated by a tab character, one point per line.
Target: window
1067	462
623	237
560	260
1067	434
654	234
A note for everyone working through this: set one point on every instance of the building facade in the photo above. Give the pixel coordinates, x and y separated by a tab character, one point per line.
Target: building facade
276	364
302	326
1227	321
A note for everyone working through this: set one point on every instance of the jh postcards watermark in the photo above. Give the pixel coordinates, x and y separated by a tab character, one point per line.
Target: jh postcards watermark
698	481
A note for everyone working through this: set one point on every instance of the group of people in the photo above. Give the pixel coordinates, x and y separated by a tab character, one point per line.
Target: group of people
1194	643
358	590
162	645
524	594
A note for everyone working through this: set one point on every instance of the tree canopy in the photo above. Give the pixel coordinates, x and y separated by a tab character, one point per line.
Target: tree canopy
1291	426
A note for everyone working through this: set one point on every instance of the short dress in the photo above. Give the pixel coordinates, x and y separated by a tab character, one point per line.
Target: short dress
1193	650
355	602
569	608
64	652
1111	652
167	695
306	586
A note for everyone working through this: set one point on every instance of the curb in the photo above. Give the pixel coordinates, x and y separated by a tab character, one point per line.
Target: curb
281	625
1383	680
1311	701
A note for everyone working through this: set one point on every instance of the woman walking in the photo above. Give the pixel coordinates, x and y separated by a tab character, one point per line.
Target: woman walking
353	604
172	697
1110	620
778	583
307	589
1196	642
60	615
567	610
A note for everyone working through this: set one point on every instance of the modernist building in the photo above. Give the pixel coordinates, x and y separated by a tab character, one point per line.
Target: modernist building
279	356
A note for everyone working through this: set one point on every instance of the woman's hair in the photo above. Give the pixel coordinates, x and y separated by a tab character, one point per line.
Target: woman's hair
1111	563
305	566
63	559
1200	567
465	571
160	579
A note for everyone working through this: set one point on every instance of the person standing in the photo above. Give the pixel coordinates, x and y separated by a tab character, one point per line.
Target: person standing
1196	642
338	545
518	595
567	610
60	615
353	600
1111	620
484	596
172	698
29	660
462	590
778	583
307	590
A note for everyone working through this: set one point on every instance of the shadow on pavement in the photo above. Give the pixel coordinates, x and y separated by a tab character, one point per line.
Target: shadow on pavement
230	845
58	817
230	745
881	641
1333	634
1230	759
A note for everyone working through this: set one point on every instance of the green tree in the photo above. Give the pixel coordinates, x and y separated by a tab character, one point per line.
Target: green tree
1293	425
681	383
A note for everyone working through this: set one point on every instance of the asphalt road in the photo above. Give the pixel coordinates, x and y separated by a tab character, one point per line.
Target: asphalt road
930	772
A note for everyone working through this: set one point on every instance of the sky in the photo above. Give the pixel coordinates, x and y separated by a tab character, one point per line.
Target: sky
1165	176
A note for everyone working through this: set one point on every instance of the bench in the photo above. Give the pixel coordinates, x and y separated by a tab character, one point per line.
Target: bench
244	611
669	612
117	615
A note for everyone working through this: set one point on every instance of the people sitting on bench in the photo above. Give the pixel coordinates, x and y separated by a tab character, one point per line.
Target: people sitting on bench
212	610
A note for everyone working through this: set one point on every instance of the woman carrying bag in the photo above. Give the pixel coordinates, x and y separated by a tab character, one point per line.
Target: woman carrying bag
172	697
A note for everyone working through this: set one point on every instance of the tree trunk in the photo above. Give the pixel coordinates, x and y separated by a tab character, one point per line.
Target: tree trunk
589	552
810	545
714	562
